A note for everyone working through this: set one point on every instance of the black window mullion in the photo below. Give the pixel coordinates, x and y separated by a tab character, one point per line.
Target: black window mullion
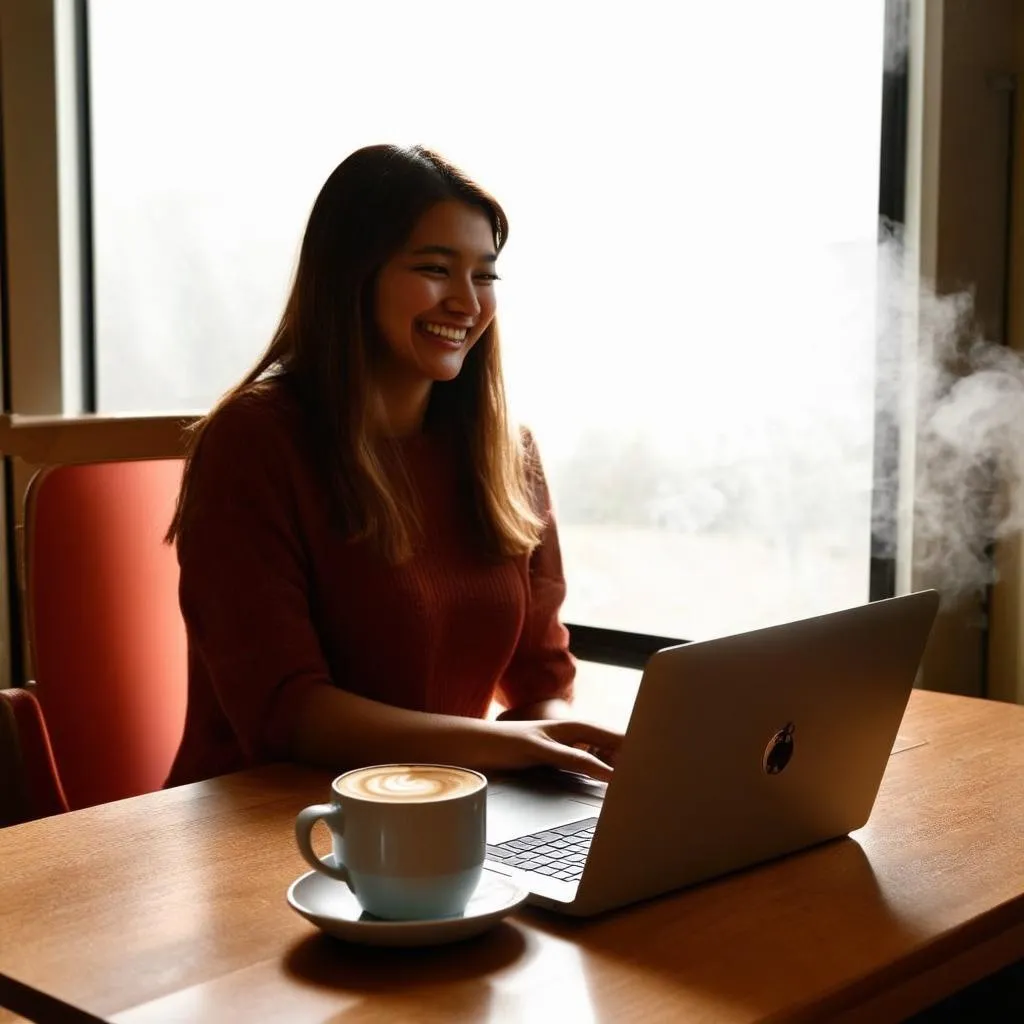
892	211
83	122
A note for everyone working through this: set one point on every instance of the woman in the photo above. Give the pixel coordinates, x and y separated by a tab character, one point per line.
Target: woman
367	551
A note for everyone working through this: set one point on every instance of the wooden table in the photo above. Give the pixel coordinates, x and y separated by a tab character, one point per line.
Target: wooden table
170	907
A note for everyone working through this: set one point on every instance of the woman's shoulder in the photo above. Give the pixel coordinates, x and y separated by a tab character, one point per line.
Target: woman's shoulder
263	416
248	453
259	431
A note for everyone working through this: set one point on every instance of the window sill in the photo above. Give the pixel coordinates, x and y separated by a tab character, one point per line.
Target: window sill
52	440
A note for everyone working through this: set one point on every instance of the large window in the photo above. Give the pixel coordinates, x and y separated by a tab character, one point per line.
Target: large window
688	304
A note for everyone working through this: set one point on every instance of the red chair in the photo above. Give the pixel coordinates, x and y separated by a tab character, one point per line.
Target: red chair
106	641
32	788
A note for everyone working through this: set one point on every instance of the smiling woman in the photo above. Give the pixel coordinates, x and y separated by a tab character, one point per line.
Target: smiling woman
368	553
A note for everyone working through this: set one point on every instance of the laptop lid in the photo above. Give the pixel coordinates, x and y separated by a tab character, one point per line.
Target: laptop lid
744	748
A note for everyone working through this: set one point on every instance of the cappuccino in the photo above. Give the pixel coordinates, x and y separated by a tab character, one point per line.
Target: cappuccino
409	840
409	783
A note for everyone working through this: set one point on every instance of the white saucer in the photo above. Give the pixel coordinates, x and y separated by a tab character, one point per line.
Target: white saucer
331	906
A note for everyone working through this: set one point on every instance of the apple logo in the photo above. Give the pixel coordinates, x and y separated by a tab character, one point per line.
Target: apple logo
779	750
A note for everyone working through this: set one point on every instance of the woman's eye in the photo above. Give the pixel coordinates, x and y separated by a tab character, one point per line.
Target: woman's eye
431	268
487	278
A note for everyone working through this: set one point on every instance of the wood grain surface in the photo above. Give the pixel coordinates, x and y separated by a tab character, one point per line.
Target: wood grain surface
171	907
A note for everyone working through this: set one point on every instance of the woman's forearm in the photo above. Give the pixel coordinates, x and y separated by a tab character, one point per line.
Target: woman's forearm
543	709
340	730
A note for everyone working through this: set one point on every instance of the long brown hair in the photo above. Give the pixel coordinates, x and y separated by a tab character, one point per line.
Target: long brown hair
365	211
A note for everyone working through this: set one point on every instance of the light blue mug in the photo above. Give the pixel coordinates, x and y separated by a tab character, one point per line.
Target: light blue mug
409	840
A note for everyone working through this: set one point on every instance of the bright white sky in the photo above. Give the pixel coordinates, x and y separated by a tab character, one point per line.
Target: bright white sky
692	188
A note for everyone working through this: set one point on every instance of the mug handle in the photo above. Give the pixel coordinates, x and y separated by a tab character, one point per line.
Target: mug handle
332	816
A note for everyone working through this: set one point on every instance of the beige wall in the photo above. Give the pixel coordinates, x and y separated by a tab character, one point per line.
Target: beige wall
965	248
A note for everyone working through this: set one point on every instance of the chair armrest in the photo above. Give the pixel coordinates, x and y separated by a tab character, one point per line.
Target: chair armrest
30	785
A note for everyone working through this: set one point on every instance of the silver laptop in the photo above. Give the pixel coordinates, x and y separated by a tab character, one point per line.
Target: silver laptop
738	750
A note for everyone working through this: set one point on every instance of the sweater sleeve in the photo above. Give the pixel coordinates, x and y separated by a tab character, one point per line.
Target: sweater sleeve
244	583
541	667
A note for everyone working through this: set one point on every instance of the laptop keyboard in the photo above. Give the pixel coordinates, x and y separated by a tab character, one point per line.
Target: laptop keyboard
558	852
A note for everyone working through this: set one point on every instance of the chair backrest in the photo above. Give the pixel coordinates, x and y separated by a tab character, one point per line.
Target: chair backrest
29	784
105	634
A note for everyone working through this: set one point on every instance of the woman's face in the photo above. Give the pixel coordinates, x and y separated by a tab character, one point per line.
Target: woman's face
435	297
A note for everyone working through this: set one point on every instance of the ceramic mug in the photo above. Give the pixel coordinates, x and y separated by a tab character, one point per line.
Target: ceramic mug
409	840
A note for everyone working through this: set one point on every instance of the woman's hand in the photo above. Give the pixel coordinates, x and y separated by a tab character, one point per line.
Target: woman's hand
340	730
570	745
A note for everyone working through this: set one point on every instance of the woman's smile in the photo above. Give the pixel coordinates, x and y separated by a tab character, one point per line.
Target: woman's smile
445	333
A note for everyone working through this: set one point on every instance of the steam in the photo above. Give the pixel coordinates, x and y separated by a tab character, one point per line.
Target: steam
962	396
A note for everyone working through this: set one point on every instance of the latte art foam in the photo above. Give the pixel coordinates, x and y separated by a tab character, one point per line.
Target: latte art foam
409	783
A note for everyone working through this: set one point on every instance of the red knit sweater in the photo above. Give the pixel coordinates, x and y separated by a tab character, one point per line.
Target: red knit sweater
276	600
